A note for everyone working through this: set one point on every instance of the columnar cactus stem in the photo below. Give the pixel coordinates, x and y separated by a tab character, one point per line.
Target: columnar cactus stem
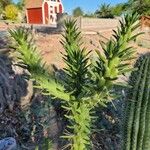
136	131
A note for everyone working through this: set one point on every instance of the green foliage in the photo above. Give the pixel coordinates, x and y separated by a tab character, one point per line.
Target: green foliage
142	7
21	4
76	59
11	12
1	9
137	112
86	84
30	59
104	11
90	15
118	9
77	12
4	3
47	145
115	60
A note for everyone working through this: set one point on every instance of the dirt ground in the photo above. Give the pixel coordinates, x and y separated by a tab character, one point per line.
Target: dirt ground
51	48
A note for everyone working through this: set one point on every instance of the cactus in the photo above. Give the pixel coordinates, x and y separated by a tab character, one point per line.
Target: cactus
137	108
86	85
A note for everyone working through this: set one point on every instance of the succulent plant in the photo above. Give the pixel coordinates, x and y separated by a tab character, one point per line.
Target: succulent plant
137	108
86	85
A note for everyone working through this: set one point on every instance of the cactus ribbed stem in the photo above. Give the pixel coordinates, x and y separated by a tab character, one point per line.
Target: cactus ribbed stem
144	107
146	141
129	112
138	104
137	110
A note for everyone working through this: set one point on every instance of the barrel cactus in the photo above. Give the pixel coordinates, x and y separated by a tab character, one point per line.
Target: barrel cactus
137	108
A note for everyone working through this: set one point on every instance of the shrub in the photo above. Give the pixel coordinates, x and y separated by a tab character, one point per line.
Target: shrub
87	84
77	12
11	12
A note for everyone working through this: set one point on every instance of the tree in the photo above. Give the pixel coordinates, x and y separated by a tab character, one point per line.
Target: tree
11	12
90	15
1	9
78	12
21	4
4	3
140	6
104	11
119	9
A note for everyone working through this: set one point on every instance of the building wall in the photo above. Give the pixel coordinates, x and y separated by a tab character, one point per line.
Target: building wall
95	24
33	4
43	11
46	13
34	15
54	7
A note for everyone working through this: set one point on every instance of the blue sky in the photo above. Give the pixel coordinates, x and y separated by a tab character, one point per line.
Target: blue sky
86	5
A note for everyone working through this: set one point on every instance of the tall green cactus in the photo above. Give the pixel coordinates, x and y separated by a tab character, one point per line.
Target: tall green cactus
86	85
137	108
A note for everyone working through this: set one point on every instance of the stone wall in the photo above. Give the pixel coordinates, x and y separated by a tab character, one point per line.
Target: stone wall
95	23
89	24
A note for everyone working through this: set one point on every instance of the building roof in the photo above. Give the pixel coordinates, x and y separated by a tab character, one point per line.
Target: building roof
33	3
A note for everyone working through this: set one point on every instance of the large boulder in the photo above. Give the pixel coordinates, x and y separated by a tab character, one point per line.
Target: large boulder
13	86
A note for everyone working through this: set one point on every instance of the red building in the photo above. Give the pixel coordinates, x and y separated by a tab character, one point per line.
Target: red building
43	11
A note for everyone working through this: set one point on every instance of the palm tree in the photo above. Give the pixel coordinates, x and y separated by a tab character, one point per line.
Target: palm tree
104	11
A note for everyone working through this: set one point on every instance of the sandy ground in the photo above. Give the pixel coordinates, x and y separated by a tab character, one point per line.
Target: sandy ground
51	48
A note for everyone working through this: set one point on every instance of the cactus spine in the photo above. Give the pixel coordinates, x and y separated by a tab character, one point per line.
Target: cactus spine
137	108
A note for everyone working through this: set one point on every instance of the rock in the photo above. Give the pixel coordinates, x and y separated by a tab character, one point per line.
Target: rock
13	86
8	144
44	113
25	100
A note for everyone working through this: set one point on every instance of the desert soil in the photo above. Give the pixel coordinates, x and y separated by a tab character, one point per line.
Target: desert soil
51	48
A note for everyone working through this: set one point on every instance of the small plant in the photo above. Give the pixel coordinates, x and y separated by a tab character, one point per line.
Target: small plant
86	84
47	145
11	12
137	108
